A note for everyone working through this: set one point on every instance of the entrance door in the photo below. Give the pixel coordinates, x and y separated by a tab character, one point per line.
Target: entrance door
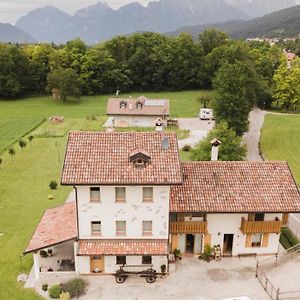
227	244
97	264
190	242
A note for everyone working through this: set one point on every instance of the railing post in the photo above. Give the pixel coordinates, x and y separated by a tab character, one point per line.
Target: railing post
256	272
277	294
276	261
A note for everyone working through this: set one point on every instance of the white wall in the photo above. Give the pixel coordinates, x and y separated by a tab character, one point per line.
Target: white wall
220	224
133	211
135	121
83	264
111	267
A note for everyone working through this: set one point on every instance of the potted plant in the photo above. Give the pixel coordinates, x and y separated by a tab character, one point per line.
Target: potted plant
177	254
163	269
207	253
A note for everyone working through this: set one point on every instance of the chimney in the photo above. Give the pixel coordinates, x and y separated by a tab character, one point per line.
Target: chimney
215	143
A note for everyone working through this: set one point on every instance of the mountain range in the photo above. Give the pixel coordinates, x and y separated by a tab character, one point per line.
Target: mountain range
100	22
284	23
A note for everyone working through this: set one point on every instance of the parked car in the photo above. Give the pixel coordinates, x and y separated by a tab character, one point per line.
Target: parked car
206	114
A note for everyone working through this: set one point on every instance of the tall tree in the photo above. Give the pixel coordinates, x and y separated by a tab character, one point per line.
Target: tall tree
235	93
231	148
66	81
287	85
211	39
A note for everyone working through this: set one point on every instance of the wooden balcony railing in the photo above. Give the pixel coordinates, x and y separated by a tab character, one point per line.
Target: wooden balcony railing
260	226
190	227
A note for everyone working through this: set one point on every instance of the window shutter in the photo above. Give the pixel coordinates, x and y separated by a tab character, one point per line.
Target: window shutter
174	242
207	239
248	240
265	240
285	219
251	217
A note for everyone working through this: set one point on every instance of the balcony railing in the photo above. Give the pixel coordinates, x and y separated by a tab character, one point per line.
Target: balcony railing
260	226
190	227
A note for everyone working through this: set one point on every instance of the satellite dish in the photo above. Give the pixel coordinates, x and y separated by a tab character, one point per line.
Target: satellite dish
165	143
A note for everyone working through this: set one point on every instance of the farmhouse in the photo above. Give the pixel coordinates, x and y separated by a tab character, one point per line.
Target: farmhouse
135	203
140	112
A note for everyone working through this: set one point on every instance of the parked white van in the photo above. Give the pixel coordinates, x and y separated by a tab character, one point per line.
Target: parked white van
206	114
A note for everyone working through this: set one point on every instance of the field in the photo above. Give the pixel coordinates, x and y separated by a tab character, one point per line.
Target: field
12	130
24	178
280	140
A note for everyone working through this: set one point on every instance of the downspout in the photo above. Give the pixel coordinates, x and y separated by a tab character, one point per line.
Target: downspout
77	216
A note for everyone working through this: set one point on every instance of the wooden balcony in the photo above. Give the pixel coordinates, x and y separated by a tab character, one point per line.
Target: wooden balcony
260	226
190	227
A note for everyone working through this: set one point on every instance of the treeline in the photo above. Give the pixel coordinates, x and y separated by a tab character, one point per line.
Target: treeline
140	62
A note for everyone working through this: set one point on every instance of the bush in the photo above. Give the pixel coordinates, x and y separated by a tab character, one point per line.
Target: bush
22	143
65	296
45	287
1	160
54	291
53	184
76	287
30	138
287	238
207	252
186	148
12	151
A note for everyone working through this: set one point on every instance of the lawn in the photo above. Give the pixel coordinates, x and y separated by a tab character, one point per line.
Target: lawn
280	140
24	178
11	130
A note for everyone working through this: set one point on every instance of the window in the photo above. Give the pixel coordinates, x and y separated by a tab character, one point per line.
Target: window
120	194
121	260
147	227
256	240
259	217
94	194
96	227
120	227
147	194
146	260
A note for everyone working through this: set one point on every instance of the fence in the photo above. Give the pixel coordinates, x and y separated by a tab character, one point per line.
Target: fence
273	262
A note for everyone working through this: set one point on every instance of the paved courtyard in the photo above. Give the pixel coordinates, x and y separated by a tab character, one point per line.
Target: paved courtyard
193	279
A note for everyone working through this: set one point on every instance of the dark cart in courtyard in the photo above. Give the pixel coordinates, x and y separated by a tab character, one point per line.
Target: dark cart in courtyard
145	271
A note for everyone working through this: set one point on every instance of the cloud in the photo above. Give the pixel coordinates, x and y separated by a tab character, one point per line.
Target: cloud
11	10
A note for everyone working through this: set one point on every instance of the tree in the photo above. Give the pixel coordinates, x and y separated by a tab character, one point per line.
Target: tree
287	85
235	94
22	144
211	39
67	81
231	148
12	151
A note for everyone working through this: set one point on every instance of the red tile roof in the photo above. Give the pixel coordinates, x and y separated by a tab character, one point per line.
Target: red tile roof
150	107
57	225
94	158
123	247
235	187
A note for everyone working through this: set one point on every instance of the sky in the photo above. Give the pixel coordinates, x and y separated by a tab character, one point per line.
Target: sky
11	10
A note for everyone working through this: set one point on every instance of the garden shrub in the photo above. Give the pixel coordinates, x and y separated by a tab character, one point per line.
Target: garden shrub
287	238
45	287
53	184
54	291
186	148
76	287
65	296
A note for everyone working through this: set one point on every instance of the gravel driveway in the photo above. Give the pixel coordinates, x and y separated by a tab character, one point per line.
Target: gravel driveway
198	130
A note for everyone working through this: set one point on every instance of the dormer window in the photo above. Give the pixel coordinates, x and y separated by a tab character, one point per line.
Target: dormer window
123	104
139	157
139	104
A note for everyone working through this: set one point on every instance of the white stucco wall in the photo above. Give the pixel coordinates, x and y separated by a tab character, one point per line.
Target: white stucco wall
83	263
135	121
133	211
111	267
220	224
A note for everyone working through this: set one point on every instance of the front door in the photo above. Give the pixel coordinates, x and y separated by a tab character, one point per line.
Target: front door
190	242
227	244
97	264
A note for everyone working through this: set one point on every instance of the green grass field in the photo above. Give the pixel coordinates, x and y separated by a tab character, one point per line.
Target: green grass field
11	130
280	140
24	178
